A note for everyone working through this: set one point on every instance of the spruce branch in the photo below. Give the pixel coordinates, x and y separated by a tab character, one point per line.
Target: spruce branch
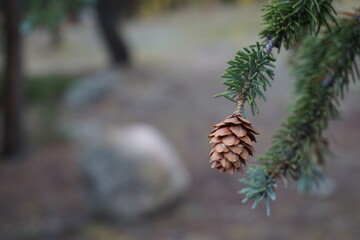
284	20
251	71
260	187
324	69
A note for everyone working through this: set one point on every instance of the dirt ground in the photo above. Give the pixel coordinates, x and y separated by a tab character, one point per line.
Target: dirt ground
178	57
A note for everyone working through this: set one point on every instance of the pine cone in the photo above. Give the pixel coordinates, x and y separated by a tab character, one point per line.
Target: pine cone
232	139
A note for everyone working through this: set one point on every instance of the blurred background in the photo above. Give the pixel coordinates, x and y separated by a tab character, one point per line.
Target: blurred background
110	140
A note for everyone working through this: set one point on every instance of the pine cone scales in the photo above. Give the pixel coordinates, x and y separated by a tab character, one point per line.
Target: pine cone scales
232	144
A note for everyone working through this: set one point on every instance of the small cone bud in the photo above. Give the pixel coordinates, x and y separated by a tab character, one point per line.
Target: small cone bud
232	144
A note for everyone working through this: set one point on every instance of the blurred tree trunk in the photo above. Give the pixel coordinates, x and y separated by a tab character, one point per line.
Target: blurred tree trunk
13	82
108	12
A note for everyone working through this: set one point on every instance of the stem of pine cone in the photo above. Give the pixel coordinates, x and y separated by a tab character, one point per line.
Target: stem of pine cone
240	101
239	105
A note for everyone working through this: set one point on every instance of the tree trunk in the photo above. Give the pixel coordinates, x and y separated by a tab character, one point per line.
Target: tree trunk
108	15
13	82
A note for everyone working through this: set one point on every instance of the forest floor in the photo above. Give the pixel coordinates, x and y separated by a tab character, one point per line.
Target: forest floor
178	57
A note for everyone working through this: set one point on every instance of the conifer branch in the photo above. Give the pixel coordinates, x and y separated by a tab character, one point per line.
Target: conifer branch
323	70
251	71
285	20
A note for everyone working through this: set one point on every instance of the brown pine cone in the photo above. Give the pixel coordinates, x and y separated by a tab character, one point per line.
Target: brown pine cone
232	139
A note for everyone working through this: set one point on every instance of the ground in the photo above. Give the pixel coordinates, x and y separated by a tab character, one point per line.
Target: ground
178	57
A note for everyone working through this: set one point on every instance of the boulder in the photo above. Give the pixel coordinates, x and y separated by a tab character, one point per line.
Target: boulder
131	171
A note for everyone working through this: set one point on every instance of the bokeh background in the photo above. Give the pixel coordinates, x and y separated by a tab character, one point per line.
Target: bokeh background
176	51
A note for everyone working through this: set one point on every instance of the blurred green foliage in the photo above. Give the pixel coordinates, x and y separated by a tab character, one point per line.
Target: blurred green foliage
43	95
47	88
49	13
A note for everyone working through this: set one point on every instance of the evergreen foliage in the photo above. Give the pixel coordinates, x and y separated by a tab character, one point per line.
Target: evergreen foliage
323	69
248	75
250	72
285	20
49	13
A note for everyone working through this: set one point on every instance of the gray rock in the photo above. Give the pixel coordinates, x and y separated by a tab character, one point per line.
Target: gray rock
129	172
